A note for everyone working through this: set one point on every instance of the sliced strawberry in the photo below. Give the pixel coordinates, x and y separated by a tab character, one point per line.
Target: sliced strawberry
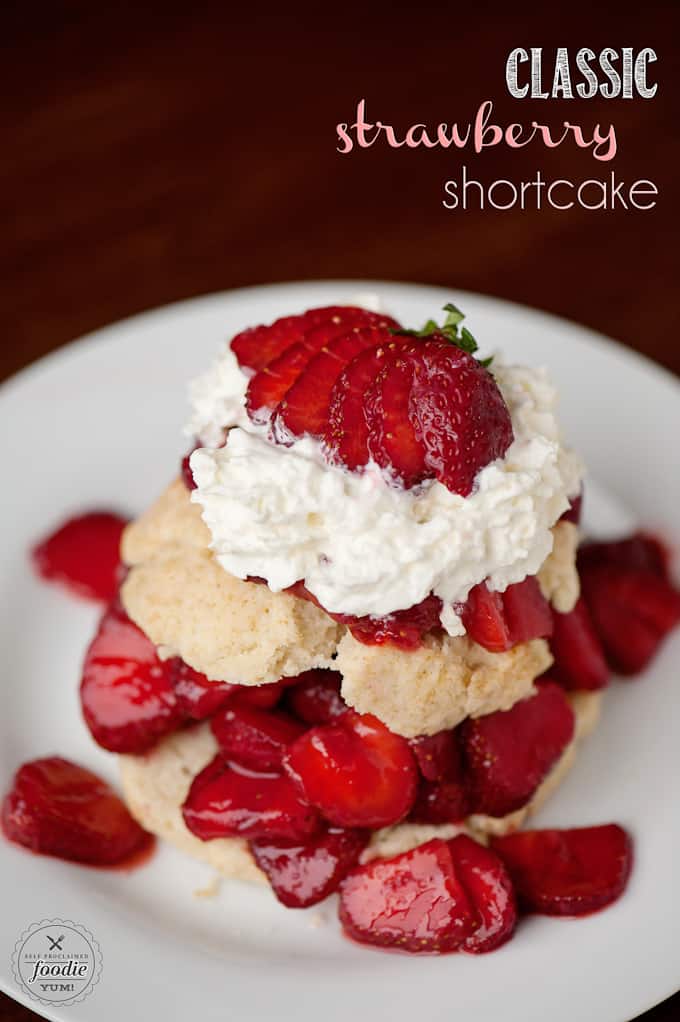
438	756
347	435
392	441
126	694
641	551
303	874
254	738
316	698
490	891
413	902
268	387
305	407
404	628
59	808
263	697
257	346
567	872
508	753
579	657
527	611
197	697
483	616
355	771
457	412
84	555
440	802
632	610
227	800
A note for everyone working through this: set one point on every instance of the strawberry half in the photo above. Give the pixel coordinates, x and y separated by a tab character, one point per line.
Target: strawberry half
355	771
632	610
254	738
126	694
83	555
304	873
304	409
316	699
258	345
226	800
490	891
413	902
577	651
567	872
507	754
59	808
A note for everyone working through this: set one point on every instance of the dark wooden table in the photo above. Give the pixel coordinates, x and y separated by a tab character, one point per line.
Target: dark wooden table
151	157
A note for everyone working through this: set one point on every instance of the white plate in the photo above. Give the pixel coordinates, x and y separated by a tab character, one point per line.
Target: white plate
98	423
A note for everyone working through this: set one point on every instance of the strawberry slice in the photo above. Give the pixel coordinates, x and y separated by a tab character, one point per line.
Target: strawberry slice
197	697
483	616
440	802
404	628
254	738
263	697
270	386
59	808
438	756
304	873
414	902
392	442
83	555
577	651
258	345
304	409
490	891
457	412
355	771
347	435
632	610
316	699
126	694
227	800
641	551
507	754
567	872
526	611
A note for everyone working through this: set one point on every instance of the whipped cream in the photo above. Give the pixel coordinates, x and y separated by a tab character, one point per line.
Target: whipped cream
362	545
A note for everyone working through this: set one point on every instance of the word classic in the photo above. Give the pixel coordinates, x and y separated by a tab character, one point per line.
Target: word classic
609	74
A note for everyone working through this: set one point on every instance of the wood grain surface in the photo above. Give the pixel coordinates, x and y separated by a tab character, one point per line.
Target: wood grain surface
152	153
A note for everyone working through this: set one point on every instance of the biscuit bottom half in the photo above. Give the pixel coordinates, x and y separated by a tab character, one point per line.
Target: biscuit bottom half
155	786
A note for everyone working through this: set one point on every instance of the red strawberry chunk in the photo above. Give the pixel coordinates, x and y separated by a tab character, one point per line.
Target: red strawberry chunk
316	699
197	696
59	808
414	902
438	756
304	409
567	872
490	891
457	412
84	555
347	435
641	551
254	738
127	697
355	771
440	802
264	697
508	753
526	611
633	610
579	657
484	619
257	346
404	628
227	800
392	441
304	873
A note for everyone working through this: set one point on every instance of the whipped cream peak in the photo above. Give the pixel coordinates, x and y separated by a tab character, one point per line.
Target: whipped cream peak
362	545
